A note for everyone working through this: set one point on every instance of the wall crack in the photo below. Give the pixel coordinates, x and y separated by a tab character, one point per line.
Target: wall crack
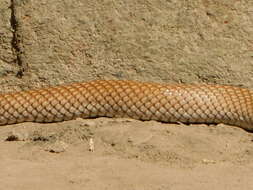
16	40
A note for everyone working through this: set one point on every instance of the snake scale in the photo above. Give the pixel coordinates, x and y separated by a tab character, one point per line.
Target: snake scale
210	104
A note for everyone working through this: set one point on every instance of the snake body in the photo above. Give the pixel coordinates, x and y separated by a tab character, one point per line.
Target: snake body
138	100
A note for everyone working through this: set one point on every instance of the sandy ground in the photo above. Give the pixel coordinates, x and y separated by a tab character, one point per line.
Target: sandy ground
48	42
124	154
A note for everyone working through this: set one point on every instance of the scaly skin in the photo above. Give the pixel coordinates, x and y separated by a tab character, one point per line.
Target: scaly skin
138	100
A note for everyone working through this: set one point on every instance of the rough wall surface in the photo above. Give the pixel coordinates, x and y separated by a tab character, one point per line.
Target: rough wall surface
199	41
7	58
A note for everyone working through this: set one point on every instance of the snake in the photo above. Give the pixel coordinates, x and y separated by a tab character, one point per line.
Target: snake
169	103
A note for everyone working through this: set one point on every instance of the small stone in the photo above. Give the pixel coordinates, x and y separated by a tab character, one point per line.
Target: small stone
57	147
17	136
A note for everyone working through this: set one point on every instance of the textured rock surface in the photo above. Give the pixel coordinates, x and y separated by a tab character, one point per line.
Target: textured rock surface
7	58
176	41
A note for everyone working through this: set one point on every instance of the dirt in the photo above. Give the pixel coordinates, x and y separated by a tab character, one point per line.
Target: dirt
125	154
51	42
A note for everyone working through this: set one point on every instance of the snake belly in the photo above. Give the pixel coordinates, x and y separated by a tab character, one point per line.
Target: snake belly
210	104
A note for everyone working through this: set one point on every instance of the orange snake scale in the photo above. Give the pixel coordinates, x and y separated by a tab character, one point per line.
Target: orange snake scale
210	104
